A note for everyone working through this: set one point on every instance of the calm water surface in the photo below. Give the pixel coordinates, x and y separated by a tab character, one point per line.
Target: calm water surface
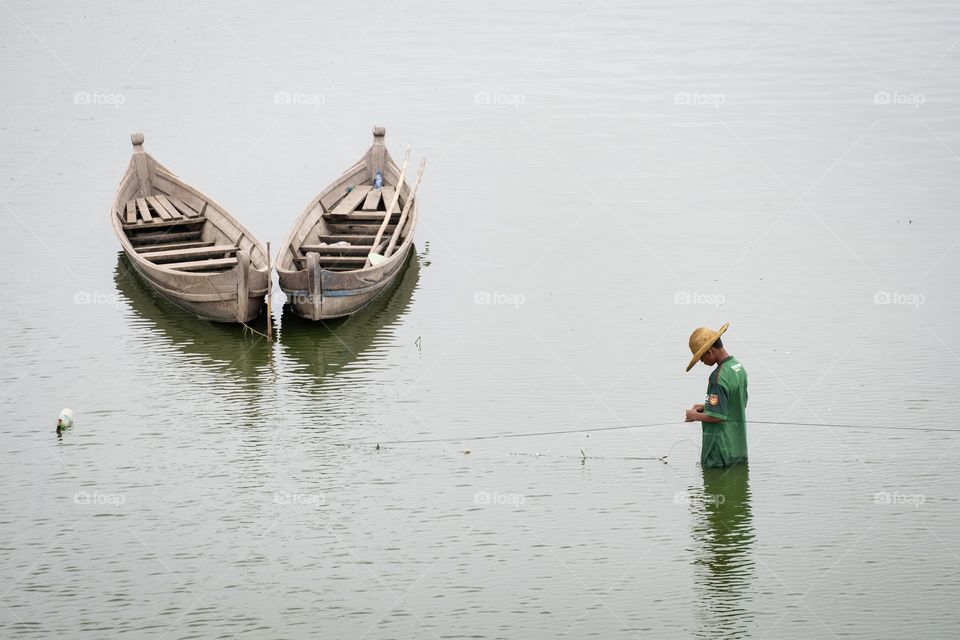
610	176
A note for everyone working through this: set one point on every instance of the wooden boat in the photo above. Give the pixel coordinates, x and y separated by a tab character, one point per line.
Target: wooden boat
345	248
185	245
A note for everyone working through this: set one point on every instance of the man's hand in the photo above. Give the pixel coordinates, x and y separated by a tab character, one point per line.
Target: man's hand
691	413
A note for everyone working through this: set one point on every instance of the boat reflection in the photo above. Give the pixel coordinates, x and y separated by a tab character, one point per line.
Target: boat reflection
231	348
327	348
724	568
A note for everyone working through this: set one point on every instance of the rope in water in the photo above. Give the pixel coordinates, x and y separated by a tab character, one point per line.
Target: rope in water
637	426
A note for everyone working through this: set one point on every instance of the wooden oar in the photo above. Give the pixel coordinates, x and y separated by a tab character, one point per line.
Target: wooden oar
393	202
406	209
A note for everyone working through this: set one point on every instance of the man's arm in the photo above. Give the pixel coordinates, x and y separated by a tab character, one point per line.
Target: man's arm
695	415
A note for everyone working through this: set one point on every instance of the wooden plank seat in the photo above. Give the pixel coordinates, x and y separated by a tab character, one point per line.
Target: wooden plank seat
159	210
180	255
350	201
343	250
352	239
172	203
218	264
388	193
144	210
366	217
162	206
337	262
175	205
358	229
160	223
372	200
167	246
139	239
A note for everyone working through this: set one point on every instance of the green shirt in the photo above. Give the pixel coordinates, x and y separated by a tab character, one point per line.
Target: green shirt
725	443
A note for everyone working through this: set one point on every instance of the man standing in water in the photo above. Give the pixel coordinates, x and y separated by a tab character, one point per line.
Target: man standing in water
723	411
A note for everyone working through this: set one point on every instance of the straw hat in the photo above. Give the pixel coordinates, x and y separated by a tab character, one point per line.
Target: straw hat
702	339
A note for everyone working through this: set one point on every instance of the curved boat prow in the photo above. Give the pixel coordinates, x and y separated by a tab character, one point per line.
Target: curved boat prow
377	155
141	165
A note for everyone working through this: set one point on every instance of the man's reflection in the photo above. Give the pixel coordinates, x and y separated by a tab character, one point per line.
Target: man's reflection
723	534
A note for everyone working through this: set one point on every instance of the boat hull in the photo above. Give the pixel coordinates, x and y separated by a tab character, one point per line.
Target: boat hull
214	299
339	293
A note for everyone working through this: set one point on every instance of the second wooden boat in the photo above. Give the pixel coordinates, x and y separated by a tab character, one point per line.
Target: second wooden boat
194	253
353	238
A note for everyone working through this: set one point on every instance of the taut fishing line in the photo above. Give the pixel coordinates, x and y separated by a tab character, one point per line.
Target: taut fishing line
663	459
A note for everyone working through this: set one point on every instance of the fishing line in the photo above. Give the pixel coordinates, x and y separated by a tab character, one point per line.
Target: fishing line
638	426
523	435
583	456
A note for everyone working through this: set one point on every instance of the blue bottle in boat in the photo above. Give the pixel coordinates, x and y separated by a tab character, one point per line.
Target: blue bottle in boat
378	180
